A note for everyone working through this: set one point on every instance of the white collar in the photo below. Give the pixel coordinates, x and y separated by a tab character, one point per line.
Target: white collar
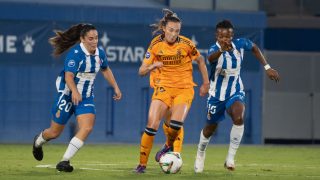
83	48
233	45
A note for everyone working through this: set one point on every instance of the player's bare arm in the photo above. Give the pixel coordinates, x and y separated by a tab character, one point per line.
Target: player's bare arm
108	75
145	68
76	96
272	73
204	73
214	56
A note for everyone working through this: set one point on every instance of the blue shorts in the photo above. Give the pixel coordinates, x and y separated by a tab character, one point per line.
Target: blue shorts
63	108
216	108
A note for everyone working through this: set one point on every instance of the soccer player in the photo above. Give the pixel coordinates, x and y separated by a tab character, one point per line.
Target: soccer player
169	57
226	89
75	89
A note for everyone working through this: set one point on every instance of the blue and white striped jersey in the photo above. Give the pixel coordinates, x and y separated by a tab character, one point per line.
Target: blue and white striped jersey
225	77
84	66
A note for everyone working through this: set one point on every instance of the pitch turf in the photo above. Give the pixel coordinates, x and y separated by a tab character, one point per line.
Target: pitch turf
118	161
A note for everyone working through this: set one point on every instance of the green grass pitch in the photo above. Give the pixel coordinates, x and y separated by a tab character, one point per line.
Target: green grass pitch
116	161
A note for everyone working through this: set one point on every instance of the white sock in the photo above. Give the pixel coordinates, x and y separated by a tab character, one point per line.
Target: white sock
74	145
40	140
203	143
235	139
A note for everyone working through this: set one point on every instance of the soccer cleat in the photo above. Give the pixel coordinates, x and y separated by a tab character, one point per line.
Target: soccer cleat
37	151
162	151
64	166
199	162
229	165
140	169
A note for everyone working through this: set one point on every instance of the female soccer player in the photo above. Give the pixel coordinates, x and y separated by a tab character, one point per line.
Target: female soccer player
226	89
170	57
75	88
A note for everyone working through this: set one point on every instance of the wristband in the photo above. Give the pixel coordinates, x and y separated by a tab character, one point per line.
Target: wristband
267	66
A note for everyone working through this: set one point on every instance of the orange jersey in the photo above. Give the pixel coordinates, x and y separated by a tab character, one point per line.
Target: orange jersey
177	62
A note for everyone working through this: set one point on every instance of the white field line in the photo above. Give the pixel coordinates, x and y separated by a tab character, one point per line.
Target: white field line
267	165
52	166
186	173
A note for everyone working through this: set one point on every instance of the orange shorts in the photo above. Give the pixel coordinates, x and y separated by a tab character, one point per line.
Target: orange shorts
173	96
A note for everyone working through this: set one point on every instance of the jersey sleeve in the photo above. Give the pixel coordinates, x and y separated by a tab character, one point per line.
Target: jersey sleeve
194	52
71	63
103	58
149	56
213	48
245	43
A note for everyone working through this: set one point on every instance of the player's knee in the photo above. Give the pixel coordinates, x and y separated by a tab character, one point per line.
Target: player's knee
53	134
176	125
208	130
237	120
87	130
237	116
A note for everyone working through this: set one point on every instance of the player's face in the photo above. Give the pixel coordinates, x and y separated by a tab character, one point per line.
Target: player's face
90	41
171	31
224	35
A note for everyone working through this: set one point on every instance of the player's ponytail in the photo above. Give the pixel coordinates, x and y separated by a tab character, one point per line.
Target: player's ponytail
169	16
66	39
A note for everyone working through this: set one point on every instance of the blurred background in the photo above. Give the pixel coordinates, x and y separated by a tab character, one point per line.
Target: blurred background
288	31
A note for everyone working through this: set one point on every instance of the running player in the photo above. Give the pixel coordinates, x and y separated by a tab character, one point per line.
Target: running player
226	89
75	89
170	55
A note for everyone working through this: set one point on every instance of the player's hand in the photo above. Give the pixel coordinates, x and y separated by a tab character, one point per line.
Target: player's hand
118	94
225	45
204	89
157	64
273	74
76	98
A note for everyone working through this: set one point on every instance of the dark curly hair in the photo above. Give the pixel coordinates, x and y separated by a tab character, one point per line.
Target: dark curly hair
226	24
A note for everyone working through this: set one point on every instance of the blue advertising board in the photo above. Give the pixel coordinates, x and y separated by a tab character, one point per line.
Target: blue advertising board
28	72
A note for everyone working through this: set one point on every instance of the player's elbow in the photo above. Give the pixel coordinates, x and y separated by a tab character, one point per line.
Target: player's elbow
255	48
141	72
200	60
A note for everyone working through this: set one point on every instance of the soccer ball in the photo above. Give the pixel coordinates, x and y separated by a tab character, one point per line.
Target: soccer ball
170	163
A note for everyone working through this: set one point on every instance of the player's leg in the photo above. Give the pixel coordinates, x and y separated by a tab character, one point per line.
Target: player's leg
61	112
46	135
165	126
215	114
180	108
205	136
179	113
236	111
85	114
177	144
156	112
85	123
